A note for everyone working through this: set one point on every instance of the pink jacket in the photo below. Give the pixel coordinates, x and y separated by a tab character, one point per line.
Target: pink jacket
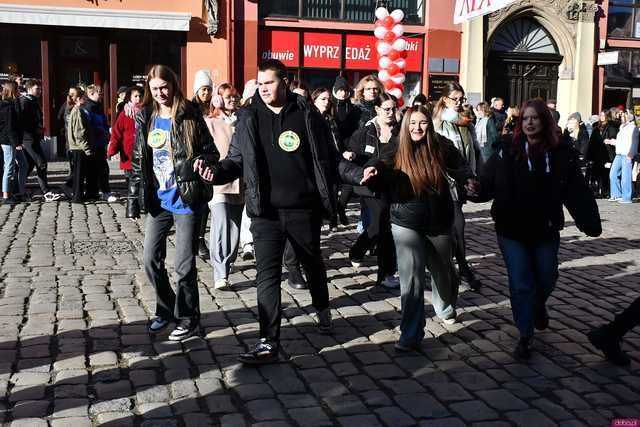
222	132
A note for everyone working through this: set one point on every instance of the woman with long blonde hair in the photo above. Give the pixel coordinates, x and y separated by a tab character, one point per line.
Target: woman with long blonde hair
421	220
172	140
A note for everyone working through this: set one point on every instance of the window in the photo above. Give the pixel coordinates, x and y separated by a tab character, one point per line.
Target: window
624	19
344	10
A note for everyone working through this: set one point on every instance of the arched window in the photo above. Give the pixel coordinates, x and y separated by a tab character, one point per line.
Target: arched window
523	36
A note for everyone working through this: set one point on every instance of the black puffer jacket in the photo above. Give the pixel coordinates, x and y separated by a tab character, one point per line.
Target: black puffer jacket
524	211
241	160
9	125
430	213
192	189
366	145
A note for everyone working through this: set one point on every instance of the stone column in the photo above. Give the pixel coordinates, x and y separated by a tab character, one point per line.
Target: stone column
472	67
582	88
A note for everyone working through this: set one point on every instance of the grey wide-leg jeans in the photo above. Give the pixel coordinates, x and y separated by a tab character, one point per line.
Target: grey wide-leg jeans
224	237
415	253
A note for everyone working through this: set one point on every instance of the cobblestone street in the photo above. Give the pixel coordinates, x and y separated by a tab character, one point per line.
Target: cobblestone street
74	349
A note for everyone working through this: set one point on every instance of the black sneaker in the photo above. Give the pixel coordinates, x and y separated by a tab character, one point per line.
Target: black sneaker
541	319
523	350
264	352
603	340
295	279
344	220
10	201
325	325
158	324
184	331
203	251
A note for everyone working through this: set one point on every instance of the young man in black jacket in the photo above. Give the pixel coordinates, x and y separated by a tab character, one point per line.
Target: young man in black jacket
31	123
283	149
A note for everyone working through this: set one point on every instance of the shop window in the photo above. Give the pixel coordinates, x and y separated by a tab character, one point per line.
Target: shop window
624	19
344	10
19	53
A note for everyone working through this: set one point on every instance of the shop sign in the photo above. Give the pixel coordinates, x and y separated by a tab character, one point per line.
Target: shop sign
360	53
414	53
281	45
608	58
437	85
321	50
469	9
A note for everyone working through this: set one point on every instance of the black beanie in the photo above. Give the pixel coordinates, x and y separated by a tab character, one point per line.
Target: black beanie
340	83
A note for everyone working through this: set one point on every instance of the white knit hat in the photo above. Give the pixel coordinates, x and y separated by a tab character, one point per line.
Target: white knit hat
201	79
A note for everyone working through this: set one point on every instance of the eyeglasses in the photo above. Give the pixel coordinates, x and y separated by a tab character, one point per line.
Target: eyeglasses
460	100
388	109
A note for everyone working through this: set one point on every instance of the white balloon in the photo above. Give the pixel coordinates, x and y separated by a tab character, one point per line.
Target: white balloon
383	75
397	29
400	45
398	78
382	13
384	48
397	15
401	63
395	92
384	62
379	32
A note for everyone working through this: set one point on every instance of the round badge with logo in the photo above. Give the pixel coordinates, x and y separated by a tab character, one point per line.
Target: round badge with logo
157	138
289	141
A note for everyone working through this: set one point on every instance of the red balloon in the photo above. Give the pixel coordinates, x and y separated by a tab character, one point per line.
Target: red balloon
400	102
378	23
389	37
403	54
393	55
388	22
389	84
393	69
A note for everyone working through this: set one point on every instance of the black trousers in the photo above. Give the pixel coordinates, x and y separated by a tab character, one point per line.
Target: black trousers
98	176
79	163
460	245
302	228
627	320
378	233
36	159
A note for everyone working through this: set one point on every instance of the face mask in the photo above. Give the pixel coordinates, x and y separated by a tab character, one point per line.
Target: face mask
450	115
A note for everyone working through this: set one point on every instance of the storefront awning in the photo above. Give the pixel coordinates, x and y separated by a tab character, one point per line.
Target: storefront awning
95	18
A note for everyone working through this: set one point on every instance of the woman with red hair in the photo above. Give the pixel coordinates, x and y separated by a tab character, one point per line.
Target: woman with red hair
531	176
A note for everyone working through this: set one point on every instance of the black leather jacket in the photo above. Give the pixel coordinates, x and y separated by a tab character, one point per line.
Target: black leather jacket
193	191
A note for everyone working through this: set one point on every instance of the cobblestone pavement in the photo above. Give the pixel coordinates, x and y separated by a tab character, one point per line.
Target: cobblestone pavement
74	350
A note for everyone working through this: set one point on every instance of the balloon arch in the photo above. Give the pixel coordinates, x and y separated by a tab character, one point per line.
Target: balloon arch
391	48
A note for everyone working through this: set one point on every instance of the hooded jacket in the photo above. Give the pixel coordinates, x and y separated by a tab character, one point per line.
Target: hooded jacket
243	161
9	125
193	191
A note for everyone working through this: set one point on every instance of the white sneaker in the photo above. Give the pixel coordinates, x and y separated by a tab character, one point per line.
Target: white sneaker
391	282
450	320
50	196
112	199
221	284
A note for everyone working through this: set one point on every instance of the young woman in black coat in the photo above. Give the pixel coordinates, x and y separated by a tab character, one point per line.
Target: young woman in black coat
530	180
599	153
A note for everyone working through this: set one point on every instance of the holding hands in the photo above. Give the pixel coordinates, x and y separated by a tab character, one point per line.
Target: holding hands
369	172
205	172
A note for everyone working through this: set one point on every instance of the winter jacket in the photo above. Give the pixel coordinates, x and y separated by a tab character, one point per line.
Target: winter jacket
581	143
366	145
430	213
527	211
347	117
627	140
610	131
222	132
463	138
31	120
123	136
98	122
243	160
79	135
9	124
193	191
500	117
597	152
364	112
487	136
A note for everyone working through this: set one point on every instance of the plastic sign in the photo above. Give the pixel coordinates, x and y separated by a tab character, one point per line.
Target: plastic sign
321	50
468	9
281	45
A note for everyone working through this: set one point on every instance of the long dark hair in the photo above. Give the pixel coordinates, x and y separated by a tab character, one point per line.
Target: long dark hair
423	161
550	131
330	113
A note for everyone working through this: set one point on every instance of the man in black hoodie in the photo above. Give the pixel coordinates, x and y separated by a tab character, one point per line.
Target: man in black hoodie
281	147
31	123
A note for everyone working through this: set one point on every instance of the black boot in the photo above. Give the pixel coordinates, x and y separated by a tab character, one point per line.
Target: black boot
604	340
523	349
343	216
295	279
541	318
203	251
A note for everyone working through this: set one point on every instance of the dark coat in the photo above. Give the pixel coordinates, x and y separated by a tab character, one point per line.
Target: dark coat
597	151
241	160
31	121
9	124
367	136
609	131
581	143
192	189
517	206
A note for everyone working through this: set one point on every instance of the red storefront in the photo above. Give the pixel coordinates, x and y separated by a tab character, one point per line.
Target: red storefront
317	58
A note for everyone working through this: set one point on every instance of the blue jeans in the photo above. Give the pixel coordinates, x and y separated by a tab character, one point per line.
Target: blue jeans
11	155
620	177
533	271
415	252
